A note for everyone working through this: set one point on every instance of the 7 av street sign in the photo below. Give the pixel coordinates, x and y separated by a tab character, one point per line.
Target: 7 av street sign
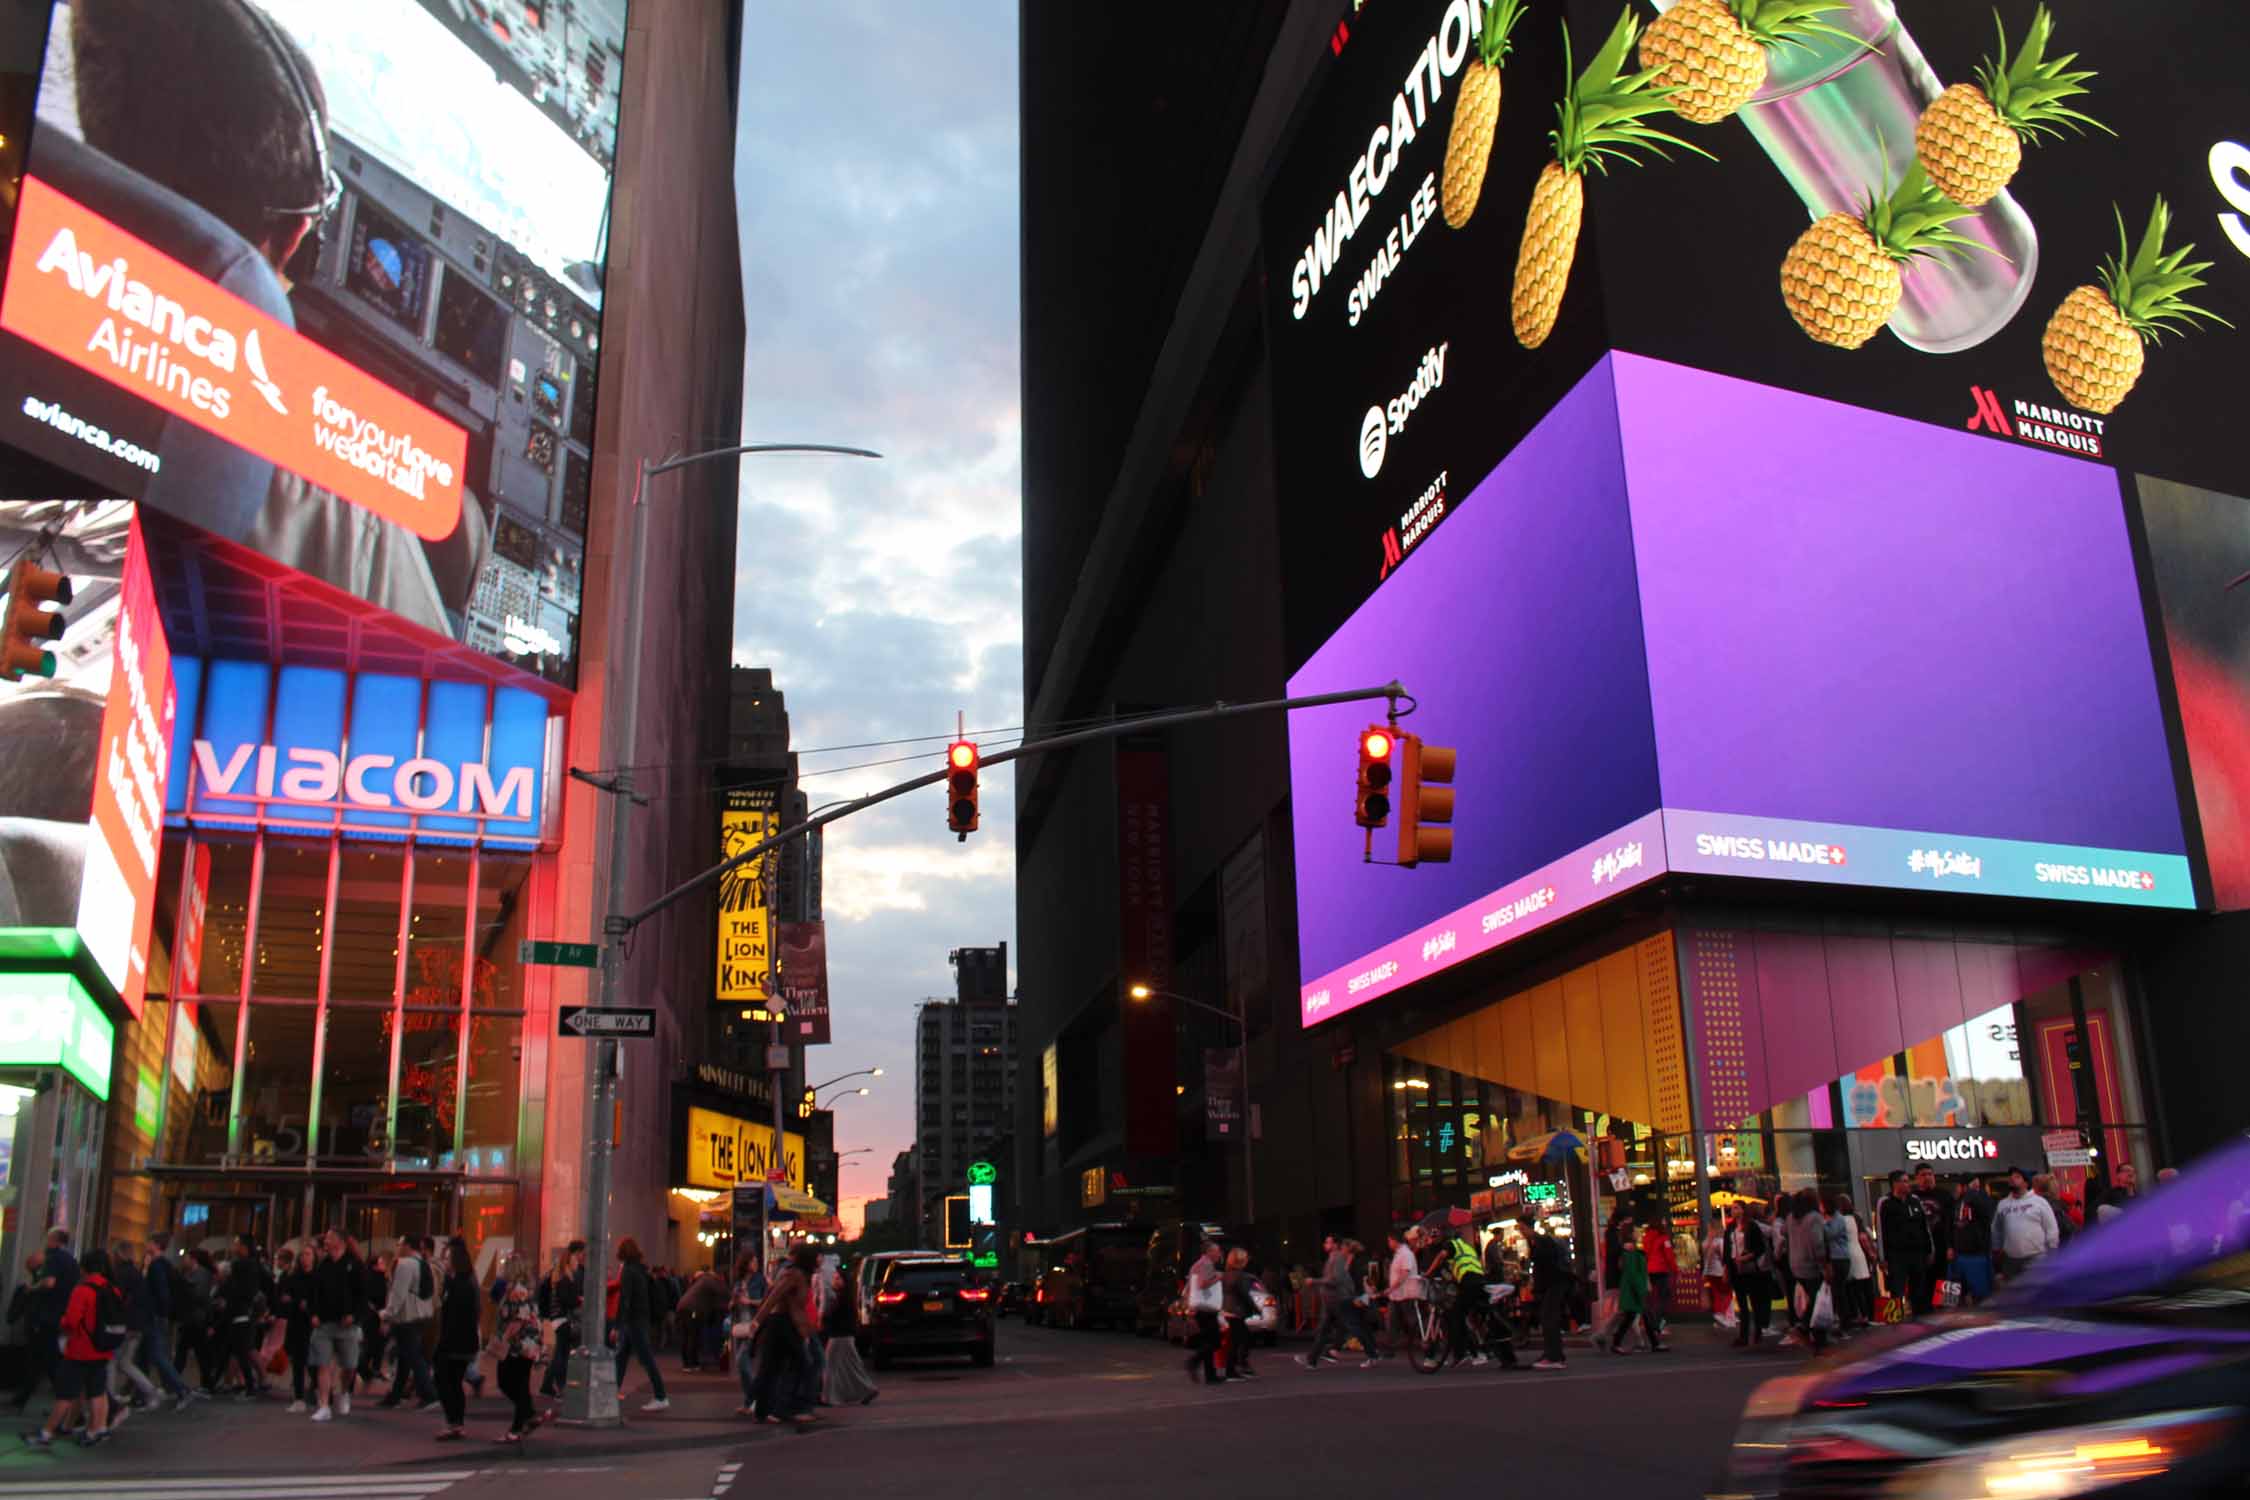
562	955
616	1020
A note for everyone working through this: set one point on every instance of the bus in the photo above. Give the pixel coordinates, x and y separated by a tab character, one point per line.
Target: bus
1090	1277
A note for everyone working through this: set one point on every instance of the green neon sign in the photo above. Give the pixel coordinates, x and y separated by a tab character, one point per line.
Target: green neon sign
49	1021
982	1172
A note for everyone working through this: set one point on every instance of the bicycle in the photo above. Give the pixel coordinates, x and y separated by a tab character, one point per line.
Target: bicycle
1431	1319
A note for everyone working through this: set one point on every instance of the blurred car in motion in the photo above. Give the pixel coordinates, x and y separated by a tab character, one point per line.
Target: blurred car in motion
2119	1367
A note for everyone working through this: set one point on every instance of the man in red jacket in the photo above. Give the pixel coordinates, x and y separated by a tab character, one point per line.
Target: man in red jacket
83	1374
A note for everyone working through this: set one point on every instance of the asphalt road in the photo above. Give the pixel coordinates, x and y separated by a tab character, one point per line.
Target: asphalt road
1079	1415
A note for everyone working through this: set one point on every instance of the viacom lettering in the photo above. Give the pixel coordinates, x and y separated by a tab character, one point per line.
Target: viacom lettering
322	778
87	292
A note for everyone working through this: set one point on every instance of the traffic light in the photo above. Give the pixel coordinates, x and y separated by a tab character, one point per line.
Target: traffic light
1372	809
805	1106
961	788
29	620
1425	796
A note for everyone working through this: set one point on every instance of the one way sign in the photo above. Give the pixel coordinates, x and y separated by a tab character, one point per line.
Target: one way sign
617	1020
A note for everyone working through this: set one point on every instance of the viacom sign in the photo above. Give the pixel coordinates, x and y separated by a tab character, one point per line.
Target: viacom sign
368	753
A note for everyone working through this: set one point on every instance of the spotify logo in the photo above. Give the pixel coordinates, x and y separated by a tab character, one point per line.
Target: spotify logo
1374	441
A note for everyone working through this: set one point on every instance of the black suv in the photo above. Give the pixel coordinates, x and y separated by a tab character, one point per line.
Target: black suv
930	1305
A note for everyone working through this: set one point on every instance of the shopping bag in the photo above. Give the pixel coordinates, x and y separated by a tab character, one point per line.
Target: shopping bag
1725	1317
273	1353
1949	1294
1824	1309
1606	1315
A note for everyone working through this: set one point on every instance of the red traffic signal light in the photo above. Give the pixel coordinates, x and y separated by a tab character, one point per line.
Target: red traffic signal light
1372	806
29	620
961	788
1425	797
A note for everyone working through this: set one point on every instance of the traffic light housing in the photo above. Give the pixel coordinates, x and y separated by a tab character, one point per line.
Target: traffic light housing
961	788
1378	747
30	620
1425	797
805	1105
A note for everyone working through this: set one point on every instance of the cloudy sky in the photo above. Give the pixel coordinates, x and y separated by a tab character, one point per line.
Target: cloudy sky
876	177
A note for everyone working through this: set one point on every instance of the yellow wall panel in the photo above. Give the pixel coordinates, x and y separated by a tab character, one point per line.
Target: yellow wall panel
1582	1021
1550	1030
1518	1026
1624	1042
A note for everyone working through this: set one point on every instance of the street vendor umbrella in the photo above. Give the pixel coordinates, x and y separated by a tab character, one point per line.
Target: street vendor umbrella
786	1202
1554	1146
1438	1220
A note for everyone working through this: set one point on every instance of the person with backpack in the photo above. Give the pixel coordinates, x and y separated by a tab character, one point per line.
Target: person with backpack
411	1302
93	1327
124	1365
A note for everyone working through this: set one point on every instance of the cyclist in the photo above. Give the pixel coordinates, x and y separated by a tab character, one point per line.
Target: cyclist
1469	1298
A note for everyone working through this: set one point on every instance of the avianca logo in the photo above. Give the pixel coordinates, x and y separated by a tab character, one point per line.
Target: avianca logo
2046	426
322	778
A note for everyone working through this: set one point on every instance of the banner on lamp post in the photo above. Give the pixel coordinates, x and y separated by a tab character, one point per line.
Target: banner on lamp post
804	980
1222	1091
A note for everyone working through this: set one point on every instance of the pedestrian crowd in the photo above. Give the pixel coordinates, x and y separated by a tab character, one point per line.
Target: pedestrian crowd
142	1327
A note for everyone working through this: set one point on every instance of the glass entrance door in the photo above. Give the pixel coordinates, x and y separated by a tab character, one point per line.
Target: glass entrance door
377	1220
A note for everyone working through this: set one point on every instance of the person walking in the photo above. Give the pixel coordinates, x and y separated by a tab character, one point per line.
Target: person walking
460	1314
562	1295
2043	1183
702	1309
1633	1298
1855	1279
124	1362
52	1276
1239	1309
2023	1227
1806	1239
1972	1241
1717	1290
243	1301
1404	1289
1551	1282
1750	1274
750	1290
1206	1300
1337	1290
783	1324
92	1326
333	1344
293	1300
1903	1232
1938	1210
848	1382
157	1357
636	1306
1663	1265
519	1341
407	1308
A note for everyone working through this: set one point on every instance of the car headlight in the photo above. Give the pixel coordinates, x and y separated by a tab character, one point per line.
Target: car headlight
2069	1461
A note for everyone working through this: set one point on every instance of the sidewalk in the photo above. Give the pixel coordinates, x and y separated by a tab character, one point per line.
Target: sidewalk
226	1435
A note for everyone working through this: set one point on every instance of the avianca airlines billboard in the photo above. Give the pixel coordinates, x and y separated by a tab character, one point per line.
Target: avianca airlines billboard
118	308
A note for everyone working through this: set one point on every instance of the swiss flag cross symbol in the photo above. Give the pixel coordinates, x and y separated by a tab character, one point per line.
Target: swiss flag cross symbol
1835	854
2148	881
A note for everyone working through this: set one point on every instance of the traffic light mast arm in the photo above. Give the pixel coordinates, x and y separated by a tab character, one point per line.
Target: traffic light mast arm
1389	690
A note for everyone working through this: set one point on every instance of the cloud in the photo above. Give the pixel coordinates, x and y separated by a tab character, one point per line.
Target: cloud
876	181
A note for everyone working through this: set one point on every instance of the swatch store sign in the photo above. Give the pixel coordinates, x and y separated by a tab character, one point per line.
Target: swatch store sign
372	754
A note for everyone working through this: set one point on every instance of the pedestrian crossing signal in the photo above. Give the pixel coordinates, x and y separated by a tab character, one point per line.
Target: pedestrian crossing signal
1372	807
1425	797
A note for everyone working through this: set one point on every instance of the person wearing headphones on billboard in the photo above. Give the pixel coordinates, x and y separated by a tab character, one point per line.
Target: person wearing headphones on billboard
215	101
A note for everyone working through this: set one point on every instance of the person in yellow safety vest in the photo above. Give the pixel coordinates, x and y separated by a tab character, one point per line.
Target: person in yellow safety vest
1467	1266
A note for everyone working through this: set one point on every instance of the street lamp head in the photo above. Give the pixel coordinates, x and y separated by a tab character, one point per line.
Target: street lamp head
1140	992
878	1072
859	1091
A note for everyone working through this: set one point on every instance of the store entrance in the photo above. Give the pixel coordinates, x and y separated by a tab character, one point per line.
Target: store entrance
377	1216
210	1221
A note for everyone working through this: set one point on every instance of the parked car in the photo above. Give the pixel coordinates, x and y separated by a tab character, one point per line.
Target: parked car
2120	1365
1013	1299
930	1305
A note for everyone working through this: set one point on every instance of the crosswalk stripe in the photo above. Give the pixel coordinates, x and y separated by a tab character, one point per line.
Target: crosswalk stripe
248	1487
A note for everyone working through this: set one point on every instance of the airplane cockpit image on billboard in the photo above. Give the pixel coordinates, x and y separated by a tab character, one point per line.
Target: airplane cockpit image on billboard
325	281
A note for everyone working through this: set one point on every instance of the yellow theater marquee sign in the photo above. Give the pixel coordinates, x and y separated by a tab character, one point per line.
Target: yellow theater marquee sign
745	922
724	1149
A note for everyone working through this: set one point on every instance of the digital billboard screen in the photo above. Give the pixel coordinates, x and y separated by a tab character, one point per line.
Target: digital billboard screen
1443	259
326	281
1696	624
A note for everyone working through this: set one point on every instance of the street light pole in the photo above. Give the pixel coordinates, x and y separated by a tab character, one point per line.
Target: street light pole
590	1396
1242	1066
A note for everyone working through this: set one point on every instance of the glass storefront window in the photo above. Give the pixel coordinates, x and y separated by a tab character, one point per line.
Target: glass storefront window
488	1127
277	1082
428	1068
363	963
226	914
436	929
292	900
200	1080
502	903
355	1086
488	1223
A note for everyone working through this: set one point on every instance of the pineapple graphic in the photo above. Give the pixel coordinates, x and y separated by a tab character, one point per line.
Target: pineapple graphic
2093	343
1713	52
1600	119
1476	114
1971	138
1843	277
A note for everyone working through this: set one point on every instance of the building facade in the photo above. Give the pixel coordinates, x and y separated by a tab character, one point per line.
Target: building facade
352	795
964	1081
1757	881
